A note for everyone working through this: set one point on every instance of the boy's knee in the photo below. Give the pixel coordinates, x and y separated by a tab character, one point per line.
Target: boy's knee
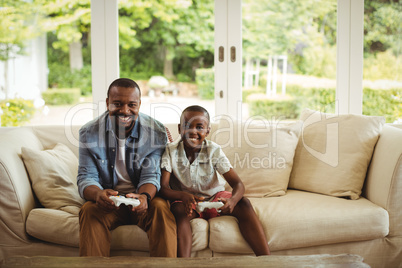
244	203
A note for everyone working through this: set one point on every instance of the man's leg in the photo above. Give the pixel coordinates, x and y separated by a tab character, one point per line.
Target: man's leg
160	225
95	226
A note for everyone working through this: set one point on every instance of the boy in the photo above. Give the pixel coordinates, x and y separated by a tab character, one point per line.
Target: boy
189	174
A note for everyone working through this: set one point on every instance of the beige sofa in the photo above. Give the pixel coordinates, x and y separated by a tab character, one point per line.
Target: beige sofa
299	216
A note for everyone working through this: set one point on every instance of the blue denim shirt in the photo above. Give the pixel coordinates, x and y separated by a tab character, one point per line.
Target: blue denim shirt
97	153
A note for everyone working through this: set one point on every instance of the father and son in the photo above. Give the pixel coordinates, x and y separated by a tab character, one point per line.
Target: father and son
125	152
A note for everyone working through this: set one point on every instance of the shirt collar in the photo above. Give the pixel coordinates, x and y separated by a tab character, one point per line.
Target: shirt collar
203	155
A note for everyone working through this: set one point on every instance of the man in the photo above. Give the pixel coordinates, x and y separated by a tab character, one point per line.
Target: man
120	153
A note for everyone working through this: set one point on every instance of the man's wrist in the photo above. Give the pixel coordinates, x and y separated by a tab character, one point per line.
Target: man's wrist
148	197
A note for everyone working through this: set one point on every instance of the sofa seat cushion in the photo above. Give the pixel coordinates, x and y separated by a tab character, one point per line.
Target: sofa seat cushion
60	227
302	219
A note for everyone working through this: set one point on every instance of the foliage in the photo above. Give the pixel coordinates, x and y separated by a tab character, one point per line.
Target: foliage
317	60
179	32
14	29
205	83
387	103
266	107
69	20
320	99
273	28
60	76
250	91
61	96
383	65
16	112
382	27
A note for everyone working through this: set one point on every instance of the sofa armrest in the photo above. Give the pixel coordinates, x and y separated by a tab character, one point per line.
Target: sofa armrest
384	178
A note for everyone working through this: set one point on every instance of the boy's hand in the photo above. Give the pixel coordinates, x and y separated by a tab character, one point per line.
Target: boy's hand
229	205
188	201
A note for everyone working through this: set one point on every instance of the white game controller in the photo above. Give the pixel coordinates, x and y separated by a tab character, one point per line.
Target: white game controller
119	199
203	205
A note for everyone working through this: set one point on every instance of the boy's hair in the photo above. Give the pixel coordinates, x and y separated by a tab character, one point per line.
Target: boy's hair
196	108
123	82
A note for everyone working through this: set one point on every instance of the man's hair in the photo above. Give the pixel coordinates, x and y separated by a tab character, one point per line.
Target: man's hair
123	82
196	108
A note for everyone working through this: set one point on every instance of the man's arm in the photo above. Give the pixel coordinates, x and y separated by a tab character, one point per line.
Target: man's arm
101	197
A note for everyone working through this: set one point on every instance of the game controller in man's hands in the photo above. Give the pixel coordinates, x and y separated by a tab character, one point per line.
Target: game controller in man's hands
119	199
203	205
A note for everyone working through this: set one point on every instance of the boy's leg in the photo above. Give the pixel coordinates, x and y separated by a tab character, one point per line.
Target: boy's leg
184	233
160	225
250	227
95	226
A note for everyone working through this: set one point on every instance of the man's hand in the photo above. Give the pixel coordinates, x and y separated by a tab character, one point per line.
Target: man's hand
143	206
102	199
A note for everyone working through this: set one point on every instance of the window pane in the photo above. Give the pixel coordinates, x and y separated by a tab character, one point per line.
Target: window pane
289	51
168	48
382	67
45	62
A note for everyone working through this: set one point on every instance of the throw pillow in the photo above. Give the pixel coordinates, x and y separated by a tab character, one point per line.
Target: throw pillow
53	174
334	152
261	154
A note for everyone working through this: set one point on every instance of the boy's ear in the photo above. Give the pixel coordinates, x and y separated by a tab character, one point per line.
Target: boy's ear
208	130
178	127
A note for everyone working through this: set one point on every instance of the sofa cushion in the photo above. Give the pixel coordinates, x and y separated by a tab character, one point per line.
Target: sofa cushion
53	175
62	228
334	152
302	219
261	154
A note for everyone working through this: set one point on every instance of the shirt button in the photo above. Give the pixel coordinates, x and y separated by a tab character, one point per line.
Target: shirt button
112	150
112	166
193	185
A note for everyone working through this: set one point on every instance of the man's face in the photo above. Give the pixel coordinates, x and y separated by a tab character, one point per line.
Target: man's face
193	129
123	105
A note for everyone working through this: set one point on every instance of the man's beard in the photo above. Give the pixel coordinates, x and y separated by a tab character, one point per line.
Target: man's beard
122	124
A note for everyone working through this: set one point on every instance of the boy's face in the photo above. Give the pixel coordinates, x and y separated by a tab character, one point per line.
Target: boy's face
193	129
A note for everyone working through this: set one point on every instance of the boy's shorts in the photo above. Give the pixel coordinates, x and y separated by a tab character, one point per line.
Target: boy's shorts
210	213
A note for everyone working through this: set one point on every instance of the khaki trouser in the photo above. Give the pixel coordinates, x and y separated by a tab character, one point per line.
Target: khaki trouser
96	224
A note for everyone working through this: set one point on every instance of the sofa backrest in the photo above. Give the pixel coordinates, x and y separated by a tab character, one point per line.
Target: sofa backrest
16	196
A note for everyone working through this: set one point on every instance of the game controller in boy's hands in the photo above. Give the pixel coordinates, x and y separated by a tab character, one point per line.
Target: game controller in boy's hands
119	199
203	205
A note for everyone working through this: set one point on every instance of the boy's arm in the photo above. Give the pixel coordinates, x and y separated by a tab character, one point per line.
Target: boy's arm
237	193
167	193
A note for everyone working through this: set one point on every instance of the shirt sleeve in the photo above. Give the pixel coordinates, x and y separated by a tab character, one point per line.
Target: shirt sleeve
150	170
88	173
222	164
166	161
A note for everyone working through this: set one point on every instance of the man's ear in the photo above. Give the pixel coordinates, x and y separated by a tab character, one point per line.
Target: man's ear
107	104
178	127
